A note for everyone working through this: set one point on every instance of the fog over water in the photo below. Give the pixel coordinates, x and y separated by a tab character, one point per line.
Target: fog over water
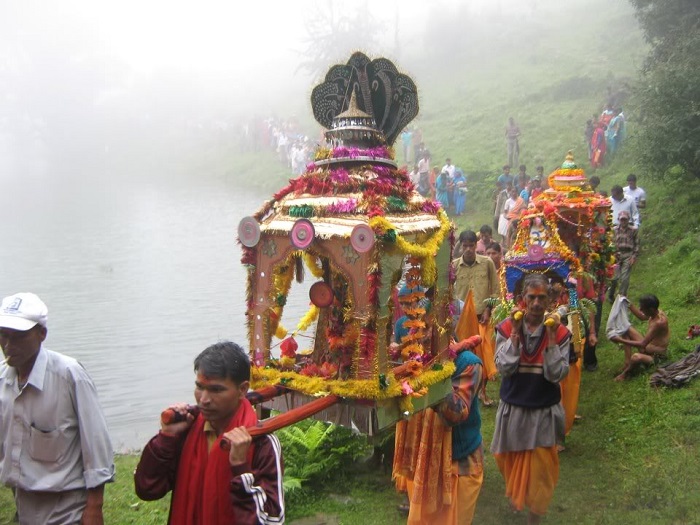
112	115
139	277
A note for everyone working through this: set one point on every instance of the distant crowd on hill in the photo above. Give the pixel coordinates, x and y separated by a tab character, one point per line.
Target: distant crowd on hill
604	135
283	136
448	184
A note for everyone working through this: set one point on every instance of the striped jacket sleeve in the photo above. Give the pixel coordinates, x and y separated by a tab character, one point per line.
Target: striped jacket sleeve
256	490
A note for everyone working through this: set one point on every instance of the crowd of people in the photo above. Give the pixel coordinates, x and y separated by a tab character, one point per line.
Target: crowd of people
540	373
512	195
284	137
447	185
626	203
533	354
294	148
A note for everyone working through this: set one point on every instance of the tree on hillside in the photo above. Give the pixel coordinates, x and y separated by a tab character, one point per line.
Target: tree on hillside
669	93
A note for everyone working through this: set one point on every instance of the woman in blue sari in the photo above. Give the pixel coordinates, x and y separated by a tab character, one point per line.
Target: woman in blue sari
441	189
460	184
613	135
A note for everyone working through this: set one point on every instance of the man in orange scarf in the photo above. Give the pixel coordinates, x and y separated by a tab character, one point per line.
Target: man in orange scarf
212	485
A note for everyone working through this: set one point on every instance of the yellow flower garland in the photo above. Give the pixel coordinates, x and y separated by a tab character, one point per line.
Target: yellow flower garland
349	388
282	282
309	317
426	251
311	264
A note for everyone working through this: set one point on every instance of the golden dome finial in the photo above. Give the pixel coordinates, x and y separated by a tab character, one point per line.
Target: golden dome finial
569	163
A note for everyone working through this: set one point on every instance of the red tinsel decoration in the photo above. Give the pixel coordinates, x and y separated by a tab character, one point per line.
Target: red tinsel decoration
388	182
368	342
284	191
310	370
248	256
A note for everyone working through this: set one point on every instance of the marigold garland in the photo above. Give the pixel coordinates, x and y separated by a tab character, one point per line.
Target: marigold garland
308	318
413	349
282	282
312	264
425	251
414	311
349	388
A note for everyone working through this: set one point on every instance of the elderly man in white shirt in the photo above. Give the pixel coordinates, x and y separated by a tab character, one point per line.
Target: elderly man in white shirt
621	203
55	451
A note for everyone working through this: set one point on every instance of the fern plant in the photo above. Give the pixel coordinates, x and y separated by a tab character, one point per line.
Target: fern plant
314	450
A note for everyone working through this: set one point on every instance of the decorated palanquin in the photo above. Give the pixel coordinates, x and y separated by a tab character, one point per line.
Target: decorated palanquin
565	234
354	224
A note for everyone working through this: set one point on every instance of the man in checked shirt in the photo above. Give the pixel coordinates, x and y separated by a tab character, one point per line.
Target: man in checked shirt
626	253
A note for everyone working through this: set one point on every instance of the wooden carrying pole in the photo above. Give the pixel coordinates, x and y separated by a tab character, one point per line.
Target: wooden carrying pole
295	415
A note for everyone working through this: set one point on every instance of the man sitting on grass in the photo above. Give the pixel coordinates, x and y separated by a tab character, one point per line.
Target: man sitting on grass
652	346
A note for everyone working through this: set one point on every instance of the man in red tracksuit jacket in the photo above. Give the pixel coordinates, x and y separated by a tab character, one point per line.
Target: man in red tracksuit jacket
213	484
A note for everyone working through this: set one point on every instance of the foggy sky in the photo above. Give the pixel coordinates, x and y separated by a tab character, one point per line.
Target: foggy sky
80	74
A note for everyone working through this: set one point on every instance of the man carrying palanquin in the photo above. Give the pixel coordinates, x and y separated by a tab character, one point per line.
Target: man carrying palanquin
439	458
210	484
532	359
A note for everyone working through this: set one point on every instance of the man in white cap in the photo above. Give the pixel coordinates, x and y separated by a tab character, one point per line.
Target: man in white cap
55	451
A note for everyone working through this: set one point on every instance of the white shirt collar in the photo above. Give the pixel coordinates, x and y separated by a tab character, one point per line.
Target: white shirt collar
36	376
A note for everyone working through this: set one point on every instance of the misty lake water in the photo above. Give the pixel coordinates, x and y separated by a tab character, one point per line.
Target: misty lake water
140	273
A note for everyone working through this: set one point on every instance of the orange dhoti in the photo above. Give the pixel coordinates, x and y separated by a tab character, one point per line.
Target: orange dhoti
570	388
469	325
530	476
486	352
423	466
465	493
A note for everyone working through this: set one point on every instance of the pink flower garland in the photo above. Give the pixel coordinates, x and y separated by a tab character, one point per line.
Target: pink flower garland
378	152
346	206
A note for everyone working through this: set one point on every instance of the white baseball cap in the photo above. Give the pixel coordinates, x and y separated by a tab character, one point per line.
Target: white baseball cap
23	311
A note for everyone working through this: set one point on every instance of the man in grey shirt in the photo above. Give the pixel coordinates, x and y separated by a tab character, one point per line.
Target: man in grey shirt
55	452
